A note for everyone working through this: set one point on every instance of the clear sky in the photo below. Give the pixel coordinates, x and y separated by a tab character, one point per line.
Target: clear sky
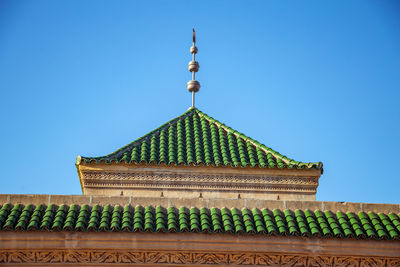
314	80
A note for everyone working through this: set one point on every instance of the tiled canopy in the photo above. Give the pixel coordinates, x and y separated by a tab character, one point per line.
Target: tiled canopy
200	220
194	138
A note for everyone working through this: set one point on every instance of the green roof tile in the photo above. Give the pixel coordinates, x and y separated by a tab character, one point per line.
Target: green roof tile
116	218
237	221
83	218
138	219
199	220
105	218
70	220
258	221
227	220
36	218
345	225
356	224
291	223
24	218
248	221
127	218
184	224
216	220
323	223
205	220
194	138
94	219
270	223
149	219
195	225
302	222
4	211
59	218
161	220
173	222
13	217
48	217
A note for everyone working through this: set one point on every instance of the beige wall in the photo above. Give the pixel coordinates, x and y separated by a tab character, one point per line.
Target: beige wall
199	202
189	194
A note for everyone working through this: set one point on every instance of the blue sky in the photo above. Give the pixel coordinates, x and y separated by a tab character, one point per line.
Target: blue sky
314	80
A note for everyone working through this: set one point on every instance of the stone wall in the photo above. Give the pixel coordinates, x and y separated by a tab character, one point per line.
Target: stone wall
198	202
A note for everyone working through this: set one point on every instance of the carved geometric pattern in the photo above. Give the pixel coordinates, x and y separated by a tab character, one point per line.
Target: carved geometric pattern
200	177
222	182
88	256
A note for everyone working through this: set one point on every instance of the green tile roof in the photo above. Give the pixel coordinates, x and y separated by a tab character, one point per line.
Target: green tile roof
200	220
194	138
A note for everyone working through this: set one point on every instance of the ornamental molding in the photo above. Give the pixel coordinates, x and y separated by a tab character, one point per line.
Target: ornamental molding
200	177
152	180
139	257
184	187
188	249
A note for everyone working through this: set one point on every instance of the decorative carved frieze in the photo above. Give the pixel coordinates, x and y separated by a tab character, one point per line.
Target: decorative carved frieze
189	258
200	177
199	181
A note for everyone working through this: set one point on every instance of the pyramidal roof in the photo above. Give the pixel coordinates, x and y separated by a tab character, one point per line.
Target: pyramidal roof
197	139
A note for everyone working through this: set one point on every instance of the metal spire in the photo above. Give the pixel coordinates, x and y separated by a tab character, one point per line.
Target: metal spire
193	86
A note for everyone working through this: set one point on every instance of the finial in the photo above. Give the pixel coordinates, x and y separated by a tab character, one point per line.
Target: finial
193	86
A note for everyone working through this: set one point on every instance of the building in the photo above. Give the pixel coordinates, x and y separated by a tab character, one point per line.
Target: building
196	192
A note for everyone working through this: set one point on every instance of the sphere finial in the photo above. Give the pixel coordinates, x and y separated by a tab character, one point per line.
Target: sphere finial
193	86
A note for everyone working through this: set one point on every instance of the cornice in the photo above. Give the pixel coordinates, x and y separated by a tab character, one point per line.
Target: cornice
124	167
188	249
220	179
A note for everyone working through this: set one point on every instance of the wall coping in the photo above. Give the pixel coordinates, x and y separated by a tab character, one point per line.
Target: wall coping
198	202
